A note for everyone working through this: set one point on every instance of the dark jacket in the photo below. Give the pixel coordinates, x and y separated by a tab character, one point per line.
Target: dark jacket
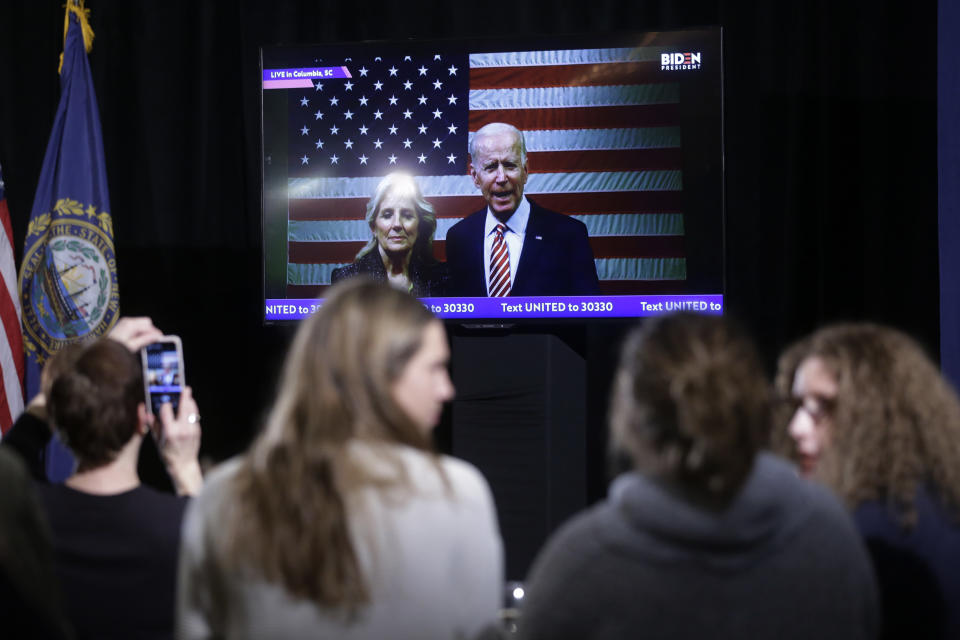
917	567
29	437
429	278
556	258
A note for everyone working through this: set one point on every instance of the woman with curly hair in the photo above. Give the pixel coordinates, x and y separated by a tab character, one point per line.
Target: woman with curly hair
870	416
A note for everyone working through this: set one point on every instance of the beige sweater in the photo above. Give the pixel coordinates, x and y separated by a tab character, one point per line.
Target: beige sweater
433	560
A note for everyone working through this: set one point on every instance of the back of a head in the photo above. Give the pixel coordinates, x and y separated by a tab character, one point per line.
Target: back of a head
691	403
93	403
339	371
61	362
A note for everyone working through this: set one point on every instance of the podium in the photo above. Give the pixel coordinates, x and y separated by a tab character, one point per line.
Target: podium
520	416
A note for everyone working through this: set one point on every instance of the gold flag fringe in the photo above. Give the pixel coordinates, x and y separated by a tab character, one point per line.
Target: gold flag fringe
83	15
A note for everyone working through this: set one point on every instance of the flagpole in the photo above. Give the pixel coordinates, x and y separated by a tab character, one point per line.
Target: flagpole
68	278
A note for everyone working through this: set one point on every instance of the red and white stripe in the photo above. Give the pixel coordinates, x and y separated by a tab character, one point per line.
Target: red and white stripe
499	265
603	145
11	348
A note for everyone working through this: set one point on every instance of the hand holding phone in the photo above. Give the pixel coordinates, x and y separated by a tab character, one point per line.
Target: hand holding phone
135	333
178	440
163	373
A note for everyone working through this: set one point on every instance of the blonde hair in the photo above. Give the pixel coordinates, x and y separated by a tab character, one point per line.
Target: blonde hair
290	521
403	184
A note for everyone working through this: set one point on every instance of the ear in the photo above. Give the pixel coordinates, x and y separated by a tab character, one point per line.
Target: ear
472	172
144	419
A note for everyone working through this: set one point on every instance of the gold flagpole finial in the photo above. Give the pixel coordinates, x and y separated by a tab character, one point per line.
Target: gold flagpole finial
83	15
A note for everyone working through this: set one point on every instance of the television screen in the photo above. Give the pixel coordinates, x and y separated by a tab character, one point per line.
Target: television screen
497	180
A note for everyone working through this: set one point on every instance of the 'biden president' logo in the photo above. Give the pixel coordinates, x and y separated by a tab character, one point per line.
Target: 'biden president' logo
680	61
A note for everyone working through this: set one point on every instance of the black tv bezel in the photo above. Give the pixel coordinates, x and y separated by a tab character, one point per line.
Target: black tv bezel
512	43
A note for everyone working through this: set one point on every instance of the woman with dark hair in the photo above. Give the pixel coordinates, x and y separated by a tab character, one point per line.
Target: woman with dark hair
116	541
708	537
870	416
340	522
401	250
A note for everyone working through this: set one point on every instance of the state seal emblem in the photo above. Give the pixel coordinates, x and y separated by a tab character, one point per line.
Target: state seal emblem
68	282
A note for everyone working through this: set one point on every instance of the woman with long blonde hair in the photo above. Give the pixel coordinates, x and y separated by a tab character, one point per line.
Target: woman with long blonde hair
340	521
400	250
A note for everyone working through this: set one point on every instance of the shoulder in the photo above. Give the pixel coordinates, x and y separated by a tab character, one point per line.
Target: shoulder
29	429
467	481
205	512
160	500
468	224
142	501
429	276
776	481
811	521
429	472
879	519
18	498
218	481
217	490
161	513
343	272
151	517
347	271
13	472
545	217
563	595
568	551
427	264
578	542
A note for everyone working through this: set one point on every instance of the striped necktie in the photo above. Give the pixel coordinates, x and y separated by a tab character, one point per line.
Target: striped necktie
499	265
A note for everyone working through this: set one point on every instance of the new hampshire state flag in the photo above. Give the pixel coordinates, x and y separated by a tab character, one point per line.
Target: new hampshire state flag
68	278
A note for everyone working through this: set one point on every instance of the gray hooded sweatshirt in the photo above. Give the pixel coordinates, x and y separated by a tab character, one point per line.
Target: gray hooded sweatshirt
781	561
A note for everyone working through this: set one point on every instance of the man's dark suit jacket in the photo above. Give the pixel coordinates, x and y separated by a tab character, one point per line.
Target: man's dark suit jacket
556	259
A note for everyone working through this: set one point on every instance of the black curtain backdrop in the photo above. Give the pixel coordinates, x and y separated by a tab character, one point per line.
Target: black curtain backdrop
831	206
948	129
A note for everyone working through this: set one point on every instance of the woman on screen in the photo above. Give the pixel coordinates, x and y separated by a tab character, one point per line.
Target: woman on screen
340	522
400	250
869	415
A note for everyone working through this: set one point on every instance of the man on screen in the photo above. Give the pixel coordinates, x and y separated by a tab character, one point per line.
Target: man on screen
514	246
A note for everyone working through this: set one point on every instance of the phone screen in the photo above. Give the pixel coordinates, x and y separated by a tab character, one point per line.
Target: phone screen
164	375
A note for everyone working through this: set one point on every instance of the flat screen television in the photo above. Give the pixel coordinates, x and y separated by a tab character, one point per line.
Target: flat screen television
623	133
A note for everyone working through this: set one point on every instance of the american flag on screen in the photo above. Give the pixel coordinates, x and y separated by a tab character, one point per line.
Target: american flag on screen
11	344
603	139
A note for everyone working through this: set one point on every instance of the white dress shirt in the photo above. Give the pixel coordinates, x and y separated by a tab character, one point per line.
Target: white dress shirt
516	228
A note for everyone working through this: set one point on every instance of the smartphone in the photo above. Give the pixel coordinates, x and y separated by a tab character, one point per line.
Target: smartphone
163	374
